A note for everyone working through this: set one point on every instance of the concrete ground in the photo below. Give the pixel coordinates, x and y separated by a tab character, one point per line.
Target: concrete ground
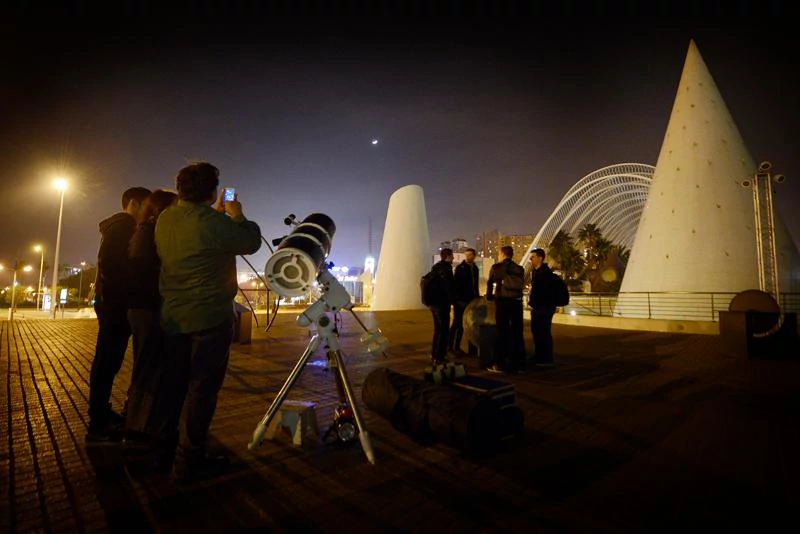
631	431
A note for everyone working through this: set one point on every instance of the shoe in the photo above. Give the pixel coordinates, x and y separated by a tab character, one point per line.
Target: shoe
102	436
495	369
185	472
114	419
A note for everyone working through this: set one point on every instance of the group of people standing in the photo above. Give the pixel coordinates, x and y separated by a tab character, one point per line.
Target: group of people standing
505	287
167	278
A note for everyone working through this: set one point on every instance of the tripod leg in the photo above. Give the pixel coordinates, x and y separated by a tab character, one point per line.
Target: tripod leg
363	436
258	434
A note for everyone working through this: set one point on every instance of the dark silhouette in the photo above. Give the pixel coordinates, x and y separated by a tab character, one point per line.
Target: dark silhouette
543	307
112	290
504	285
465	282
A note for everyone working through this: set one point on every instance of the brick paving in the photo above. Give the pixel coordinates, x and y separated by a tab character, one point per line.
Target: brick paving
632	431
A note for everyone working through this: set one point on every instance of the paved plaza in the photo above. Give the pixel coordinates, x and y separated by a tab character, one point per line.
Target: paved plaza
630	432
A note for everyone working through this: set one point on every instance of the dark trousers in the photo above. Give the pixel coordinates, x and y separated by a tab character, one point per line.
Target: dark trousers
150	393
457	328
112	341
200	361
510	347
441	331
541	324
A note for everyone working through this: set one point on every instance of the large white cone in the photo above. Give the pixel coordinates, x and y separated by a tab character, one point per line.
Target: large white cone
405	252
696	232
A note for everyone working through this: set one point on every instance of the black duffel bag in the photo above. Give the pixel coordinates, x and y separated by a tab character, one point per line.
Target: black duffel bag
431	413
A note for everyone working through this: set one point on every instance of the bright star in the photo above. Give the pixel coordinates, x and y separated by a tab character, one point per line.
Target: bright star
374	141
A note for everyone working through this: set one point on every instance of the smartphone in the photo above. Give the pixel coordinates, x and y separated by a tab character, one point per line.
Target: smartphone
228	194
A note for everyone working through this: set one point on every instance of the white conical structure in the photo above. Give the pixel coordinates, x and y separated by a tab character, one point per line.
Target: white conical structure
405	252
696	232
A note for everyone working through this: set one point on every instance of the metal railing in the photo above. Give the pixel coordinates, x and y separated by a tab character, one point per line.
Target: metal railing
682	305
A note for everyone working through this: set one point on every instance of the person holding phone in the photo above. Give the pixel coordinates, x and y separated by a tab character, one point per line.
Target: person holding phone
198	244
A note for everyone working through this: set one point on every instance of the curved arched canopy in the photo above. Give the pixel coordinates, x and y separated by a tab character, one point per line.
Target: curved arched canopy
612	198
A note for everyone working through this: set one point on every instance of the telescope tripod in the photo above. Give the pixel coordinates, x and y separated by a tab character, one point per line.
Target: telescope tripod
325	332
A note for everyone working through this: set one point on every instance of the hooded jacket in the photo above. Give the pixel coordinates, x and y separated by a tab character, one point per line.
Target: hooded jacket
466	282
542	288
113	269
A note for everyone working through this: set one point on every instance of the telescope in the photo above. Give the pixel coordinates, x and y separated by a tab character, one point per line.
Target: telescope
299	257
299	260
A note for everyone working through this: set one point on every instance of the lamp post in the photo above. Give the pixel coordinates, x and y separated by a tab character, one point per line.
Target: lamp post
80	284
61	185
39	248
26	268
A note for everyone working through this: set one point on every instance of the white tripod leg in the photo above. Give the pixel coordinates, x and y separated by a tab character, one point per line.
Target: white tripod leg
363	435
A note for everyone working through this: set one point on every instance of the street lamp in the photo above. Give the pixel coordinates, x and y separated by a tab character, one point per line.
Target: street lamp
39	248
61	185
80	284
766	250
26	268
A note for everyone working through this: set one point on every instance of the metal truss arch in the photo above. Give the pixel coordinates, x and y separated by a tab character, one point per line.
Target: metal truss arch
613	198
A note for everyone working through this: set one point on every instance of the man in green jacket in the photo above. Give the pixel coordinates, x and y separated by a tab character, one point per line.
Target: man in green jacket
198	240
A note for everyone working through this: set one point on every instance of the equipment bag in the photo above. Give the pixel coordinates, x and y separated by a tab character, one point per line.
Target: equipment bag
561	291
429	288
513	281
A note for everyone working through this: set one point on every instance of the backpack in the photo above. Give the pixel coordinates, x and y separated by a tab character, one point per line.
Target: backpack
560	291
429	288
513	281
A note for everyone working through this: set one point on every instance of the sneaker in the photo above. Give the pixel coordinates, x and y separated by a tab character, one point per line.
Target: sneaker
185	472
495	369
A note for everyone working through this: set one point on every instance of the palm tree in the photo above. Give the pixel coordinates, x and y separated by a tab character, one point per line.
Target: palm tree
560	247
594	244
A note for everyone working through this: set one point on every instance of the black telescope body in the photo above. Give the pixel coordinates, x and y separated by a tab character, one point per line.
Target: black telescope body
298	258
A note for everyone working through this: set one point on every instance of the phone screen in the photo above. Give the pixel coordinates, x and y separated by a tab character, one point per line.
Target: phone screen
229	194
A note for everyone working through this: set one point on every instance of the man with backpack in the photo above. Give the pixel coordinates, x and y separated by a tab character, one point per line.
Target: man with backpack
466	289
547	290
437	295
504	286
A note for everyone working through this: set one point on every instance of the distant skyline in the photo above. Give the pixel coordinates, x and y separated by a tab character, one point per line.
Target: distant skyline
495	120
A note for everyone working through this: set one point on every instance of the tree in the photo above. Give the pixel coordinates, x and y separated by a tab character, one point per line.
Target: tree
560	247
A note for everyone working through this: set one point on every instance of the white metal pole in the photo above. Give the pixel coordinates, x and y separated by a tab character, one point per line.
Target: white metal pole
13	295
54	296
41	272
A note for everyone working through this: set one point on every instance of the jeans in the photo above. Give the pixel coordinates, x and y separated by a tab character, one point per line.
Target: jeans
510	348
112	341
148	396
457	328
199	361
441	331
541	324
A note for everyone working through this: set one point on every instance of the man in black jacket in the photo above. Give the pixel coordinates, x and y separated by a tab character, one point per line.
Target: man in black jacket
504	285
466	288
440	307
111	306
542	303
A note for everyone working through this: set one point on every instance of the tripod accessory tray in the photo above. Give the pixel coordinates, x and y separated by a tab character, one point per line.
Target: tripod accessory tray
298	418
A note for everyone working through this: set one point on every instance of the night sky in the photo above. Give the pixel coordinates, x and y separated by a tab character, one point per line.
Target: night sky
494	113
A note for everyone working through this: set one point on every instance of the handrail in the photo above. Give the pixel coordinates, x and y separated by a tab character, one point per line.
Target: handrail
683	305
